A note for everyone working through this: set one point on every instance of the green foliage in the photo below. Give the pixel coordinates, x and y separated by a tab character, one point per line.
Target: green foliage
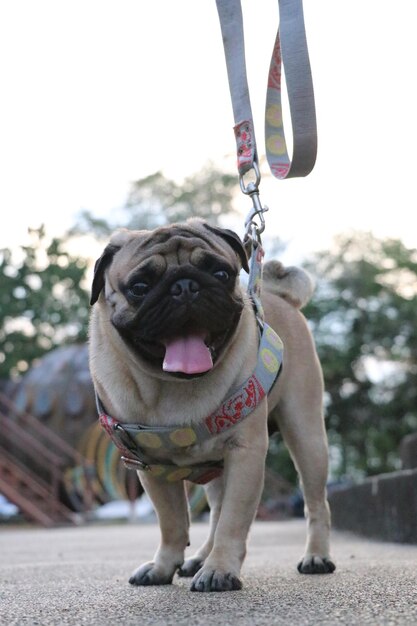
42	302
364	318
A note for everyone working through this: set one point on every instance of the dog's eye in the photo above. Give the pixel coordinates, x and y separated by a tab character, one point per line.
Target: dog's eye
138	290
221	275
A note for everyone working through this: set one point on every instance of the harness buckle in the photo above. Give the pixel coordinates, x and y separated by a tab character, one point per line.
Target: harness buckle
128	462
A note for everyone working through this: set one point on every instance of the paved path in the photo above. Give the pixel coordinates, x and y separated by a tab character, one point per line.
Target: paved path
79	576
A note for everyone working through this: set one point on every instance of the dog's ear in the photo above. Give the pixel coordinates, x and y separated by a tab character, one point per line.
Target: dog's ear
99	268
234	242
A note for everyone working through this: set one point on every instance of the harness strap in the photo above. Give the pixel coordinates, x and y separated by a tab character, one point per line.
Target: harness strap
137	442
255	278
290	50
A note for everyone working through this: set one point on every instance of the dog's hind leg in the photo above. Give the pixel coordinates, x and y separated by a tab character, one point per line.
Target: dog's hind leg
302	427
214	492
170	502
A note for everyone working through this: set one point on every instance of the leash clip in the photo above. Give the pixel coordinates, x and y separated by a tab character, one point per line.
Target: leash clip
252	186
252	228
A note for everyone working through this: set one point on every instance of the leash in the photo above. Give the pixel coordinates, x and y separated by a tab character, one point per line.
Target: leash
290	50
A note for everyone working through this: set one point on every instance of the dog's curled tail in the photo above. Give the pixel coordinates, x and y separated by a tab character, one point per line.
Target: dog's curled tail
291	283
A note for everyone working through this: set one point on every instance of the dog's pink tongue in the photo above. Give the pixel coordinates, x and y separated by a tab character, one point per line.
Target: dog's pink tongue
188	355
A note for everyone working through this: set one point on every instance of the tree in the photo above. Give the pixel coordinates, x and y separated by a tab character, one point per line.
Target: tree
156	200
43	300
43	303
364	318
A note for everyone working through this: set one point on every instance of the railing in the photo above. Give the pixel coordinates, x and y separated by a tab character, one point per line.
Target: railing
41	453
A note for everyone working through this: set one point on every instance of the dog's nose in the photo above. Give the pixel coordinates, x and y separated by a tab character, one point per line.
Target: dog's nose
185	289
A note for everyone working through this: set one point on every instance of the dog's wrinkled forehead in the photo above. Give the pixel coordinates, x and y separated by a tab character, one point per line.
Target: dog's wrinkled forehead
172	247
168	246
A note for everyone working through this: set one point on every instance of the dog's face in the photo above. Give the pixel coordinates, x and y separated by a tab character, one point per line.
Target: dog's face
173	294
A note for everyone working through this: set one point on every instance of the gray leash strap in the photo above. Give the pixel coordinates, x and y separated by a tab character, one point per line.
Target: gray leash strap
231	23
290	50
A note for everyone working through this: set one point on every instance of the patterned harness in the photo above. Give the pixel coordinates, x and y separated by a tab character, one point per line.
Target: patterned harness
137	441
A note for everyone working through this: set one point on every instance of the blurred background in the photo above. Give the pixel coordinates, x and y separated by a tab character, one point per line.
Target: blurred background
119	115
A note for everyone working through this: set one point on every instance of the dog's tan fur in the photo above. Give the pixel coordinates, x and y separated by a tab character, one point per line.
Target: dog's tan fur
132	391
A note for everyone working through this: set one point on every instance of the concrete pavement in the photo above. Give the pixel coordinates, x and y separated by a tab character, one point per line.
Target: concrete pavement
75	576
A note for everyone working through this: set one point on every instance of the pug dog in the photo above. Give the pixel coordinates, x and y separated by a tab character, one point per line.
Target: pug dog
172	333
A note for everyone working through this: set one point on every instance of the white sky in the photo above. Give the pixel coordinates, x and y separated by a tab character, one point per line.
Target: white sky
98	93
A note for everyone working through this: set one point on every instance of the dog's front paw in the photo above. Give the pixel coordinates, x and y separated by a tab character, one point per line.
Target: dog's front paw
315	564
151	574
209	579
190	567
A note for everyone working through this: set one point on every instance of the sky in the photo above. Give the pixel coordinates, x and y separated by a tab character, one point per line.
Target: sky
99	93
